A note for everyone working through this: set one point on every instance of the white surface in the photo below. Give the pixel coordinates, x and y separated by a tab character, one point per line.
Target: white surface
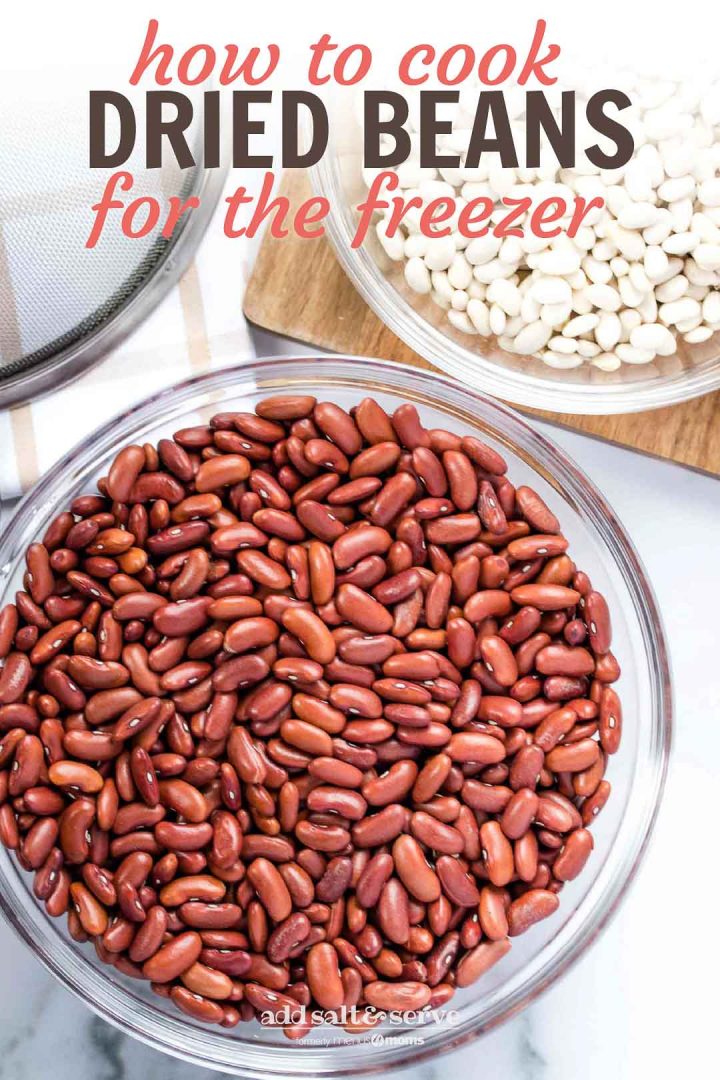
640	1003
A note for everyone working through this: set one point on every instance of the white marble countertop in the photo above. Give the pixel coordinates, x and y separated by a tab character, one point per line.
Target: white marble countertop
640	1003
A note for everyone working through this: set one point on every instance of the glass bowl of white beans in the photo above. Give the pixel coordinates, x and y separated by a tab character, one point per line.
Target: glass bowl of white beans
620	319
598	544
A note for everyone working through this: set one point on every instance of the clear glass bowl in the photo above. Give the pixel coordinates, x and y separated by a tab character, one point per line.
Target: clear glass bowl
478	361
598	543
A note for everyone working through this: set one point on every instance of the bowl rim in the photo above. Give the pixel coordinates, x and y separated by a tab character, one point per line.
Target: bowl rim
191	1044
534	392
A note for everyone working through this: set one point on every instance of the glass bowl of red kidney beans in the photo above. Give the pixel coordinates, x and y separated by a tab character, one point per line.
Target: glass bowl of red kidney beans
311	698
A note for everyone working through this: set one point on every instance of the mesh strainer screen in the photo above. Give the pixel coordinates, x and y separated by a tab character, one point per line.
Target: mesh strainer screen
54	292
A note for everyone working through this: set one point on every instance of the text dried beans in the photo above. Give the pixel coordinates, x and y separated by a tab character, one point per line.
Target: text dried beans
306	706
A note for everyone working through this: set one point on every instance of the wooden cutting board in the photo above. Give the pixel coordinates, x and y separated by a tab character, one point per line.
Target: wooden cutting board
299	289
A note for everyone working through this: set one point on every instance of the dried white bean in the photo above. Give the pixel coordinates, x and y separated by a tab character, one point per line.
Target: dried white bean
678	311
439	253
699	334
532	338
506	295
707	256
564	345
482	249
654	338
631	296
672	289
563	363
551	290
562	261
498	320
681	243
656	263
582	324
479	316
608	331
417	275
604	297
460	272
555	314
393	246
709	192
630	355
441	284
711	308
606	361
460	321
415	245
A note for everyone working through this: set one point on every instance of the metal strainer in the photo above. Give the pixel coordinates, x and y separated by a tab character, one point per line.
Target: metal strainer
63	305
